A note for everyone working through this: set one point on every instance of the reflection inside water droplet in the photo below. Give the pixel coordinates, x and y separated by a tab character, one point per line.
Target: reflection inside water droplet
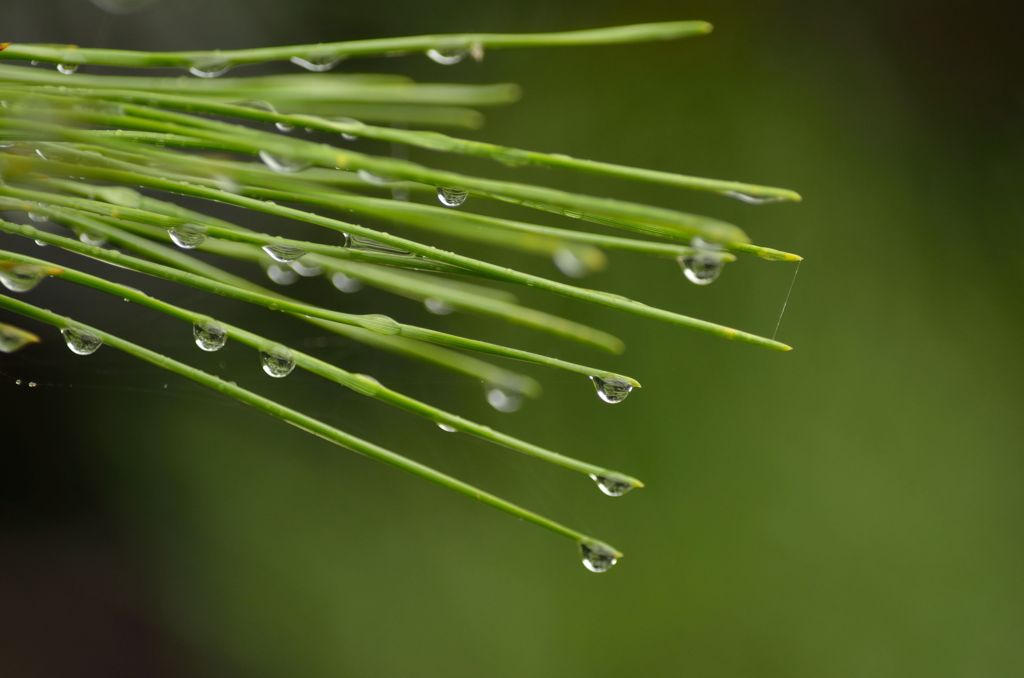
611	390
209	335
277	361
451	197
598	557
81	341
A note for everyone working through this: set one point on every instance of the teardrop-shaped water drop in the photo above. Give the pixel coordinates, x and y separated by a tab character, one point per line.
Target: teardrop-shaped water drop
447	57
282	253
209	335
754	199
281	274
187	236
317	63
704	264
38	217
21	277
446	427
81	341
451	197
502	400
346	284
612	485
438	306
14	338
611	390
283	165
598	557
67	69
277	361
209	68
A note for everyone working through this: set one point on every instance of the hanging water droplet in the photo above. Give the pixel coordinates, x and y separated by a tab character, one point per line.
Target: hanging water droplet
371	178
447	57
209	68
187	236
704	264
446	428
21	277
284	127
572	262
282	275
67	69
40	243
37	217
209	335
306	270
611	390
94	239
346	284
358	242
14	338
282	253
612	485
598	557
277	361
283	165
318	63
438	306
753	199
451	197
81	341
502	400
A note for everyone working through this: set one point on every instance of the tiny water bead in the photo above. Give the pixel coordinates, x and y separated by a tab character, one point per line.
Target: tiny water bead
282	253
598	557
611	485
451	197
283	165
502	400
438	306
14	338
81	341
703	265
209	68
187	236
320	63
277	361
446	427
611	390
346	284
21	277
209	335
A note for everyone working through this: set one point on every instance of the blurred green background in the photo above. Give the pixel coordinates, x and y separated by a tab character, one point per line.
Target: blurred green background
850	509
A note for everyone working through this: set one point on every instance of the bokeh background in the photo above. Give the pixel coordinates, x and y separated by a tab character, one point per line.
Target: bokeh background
850	509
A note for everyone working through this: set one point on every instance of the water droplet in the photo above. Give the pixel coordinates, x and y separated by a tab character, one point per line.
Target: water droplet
40	243
284	127
612	485
37	217
450	57
572	262
81	341
21	277
94	239
67	69
282	275
611	390
306	270
357	242
451	197
283	165
282	253
187	236
120	195
502	400
277	361
346	284
753	199
438	306
14	338
446	428
371	178
704	264
209	335
318	63
32	384
40	154
598	557
209	68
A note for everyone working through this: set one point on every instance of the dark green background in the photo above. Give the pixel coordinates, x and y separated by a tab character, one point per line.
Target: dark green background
850	509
